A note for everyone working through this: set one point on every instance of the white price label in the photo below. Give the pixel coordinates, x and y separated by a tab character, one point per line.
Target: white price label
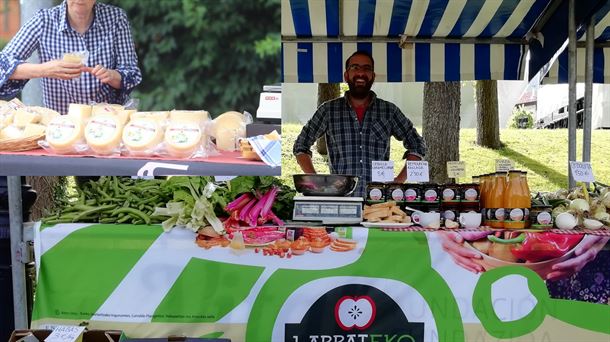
65	333
504	165
382	171
418	171
582	171
456	169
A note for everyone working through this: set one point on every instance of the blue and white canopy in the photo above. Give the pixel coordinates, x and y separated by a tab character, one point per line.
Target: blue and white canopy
558	71
442	40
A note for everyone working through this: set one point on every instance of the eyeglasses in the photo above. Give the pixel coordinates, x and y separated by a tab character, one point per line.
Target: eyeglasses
358	67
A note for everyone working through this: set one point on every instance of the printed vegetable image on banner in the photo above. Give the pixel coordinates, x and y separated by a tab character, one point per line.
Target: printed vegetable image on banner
395	286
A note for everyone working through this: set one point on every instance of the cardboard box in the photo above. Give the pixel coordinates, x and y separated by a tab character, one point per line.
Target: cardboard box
88	336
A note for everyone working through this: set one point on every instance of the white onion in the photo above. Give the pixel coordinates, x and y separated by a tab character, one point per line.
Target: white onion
565	221
592	224
579	205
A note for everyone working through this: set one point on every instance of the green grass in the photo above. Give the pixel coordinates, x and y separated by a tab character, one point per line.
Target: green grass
542	153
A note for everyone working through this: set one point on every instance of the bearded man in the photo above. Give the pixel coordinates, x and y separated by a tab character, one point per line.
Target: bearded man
358	128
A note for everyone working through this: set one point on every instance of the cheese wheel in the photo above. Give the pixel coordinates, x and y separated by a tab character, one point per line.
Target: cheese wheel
63	133
229	121
141	136
80	112
124	114
103	133
196	116
32	130
182	139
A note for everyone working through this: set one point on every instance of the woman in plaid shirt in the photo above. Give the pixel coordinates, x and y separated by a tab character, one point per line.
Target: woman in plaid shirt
108	75
358	127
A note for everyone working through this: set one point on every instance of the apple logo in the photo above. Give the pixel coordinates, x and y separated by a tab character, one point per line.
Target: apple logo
355	312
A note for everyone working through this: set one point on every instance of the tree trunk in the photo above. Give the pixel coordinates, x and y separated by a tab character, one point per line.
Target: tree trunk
488	121
326	92
48	190
441	127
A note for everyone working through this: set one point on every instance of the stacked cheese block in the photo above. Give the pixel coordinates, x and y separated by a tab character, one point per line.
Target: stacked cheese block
18	121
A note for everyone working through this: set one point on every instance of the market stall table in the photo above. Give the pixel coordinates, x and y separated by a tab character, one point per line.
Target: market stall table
41	163
146	282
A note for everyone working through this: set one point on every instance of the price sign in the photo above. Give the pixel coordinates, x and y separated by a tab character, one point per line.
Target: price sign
418	171
456	169
65	333
382	171
504	165
582	171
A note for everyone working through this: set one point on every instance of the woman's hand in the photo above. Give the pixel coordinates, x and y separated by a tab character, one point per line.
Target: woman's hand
61	70
105	75
586	252
453	243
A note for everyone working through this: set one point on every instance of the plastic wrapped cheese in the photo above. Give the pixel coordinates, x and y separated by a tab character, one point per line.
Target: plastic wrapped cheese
160	117
46	114
80	112
103	134
105	108
64	133
142	136
228	128
196	116
10	132
182	139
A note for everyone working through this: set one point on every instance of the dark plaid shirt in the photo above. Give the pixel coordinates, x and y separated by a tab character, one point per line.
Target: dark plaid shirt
353	146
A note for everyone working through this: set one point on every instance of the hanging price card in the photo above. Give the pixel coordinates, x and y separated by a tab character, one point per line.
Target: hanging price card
504	165
382	171
456	169
582	171
418	171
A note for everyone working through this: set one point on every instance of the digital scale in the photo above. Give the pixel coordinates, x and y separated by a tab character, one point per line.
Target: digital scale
269	113
328	210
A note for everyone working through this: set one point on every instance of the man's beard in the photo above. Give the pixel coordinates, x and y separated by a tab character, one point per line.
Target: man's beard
359	91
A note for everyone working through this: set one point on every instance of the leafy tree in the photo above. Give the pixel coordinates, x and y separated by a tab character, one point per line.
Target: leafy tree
204	54
521	118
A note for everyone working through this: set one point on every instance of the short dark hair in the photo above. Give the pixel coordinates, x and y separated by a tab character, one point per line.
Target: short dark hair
362	53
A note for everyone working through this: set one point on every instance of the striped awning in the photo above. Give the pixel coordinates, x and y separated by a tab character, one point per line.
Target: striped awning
558	70
442	40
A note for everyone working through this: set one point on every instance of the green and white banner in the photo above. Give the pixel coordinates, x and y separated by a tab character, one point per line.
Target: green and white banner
393	286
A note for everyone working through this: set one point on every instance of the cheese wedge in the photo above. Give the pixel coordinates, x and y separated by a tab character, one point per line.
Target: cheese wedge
103	134
32	130
80	112
63	133
10	132
141	136
46	114
182	138
24	116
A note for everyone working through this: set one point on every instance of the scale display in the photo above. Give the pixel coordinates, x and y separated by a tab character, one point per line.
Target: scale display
328	209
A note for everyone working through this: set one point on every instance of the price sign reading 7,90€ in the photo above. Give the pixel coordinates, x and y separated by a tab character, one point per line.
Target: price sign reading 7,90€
418	171
582	171
382	171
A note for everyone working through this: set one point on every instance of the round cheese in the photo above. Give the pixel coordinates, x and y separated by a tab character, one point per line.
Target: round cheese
141	136
196	116
103	134
230	121
182	139
63	133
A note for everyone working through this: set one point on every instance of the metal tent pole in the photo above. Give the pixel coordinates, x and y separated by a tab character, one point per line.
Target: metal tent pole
15	213
588	114
572	90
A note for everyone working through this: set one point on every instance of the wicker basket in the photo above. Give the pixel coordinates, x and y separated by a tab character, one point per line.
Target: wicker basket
22	144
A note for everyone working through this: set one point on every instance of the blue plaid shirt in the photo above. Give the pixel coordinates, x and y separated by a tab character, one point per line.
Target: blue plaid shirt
353	146
108	41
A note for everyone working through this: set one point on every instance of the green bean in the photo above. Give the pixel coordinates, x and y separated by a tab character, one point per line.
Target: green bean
134	212
92	211
108	220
